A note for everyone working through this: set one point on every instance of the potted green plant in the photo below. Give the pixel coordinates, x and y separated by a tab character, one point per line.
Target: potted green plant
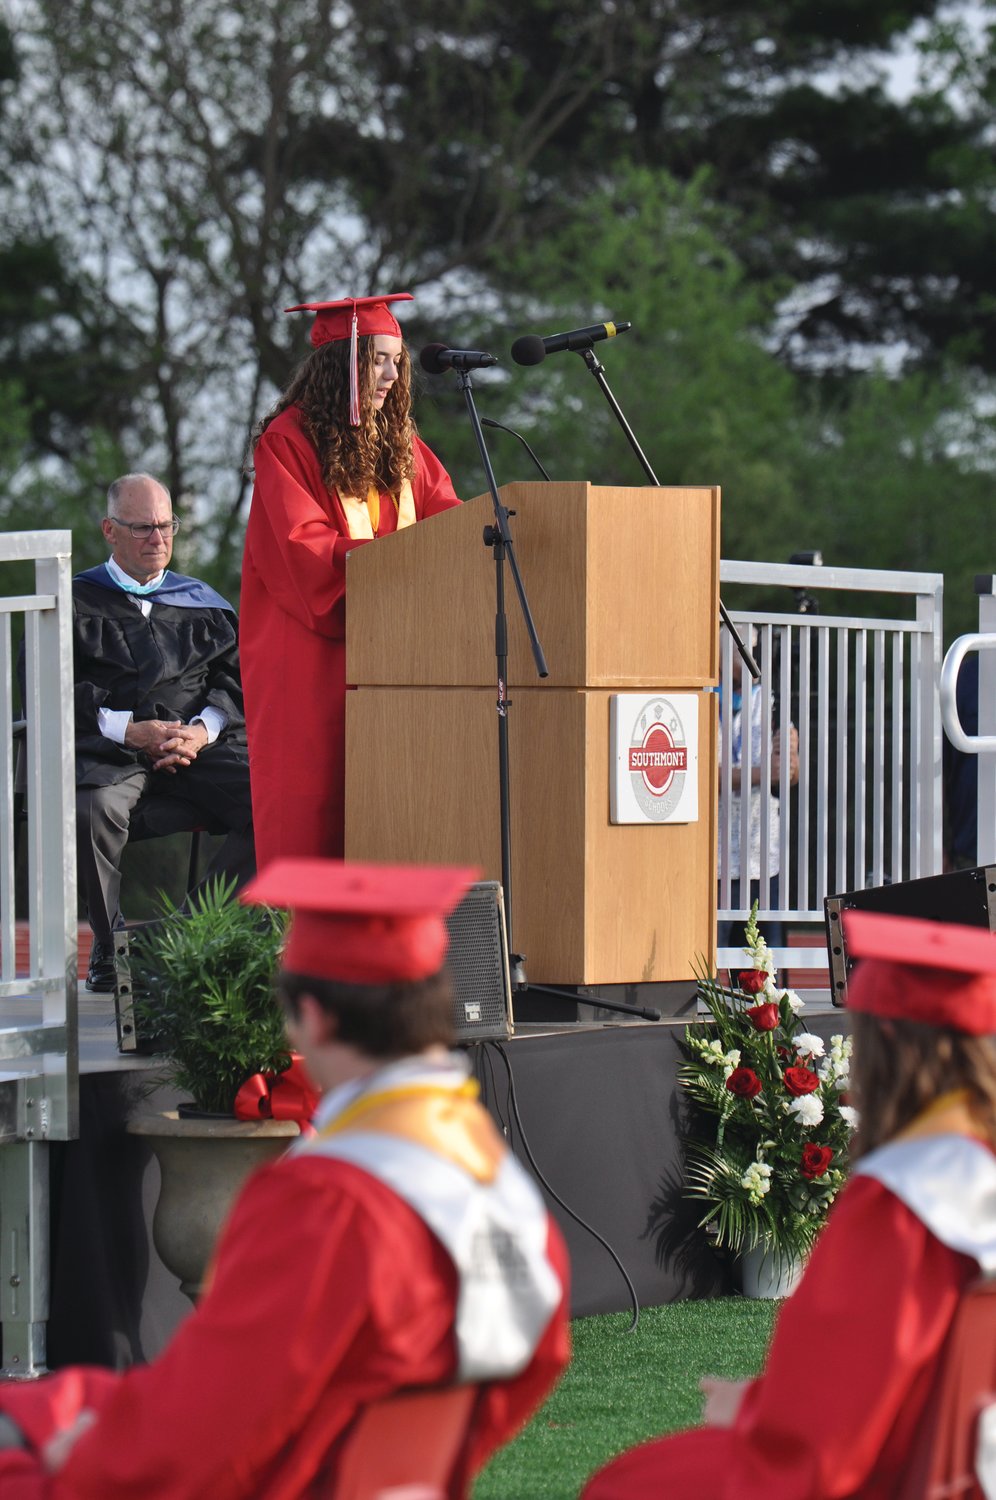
770	1122
203	992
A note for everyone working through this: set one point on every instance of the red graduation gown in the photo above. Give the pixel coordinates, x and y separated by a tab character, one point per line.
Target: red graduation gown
352	1298
847	1379
292	637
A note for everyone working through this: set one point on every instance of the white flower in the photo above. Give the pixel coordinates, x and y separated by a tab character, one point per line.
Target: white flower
757	1180
849	1115
795	1004
712	1053
840	1050
761	956
730	1061
808	1045
808	1110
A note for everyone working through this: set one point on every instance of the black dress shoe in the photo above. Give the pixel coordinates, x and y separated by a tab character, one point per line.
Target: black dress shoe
101	976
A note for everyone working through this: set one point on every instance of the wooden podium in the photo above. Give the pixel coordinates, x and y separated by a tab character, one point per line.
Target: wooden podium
624	588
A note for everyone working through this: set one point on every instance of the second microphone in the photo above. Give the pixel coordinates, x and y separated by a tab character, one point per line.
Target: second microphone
436	358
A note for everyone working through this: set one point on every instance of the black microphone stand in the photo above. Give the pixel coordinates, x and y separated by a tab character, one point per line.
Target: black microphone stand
598	370
499	538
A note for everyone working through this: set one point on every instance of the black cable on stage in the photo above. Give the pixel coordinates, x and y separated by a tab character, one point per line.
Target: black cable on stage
555	1196
489	1086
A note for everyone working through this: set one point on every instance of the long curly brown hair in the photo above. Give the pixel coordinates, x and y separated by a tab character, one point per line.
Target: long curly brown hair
380	451
900	1067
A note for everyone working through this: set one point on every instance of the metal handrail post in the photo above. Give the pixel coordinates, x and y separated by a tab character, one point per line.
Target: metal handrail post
39	1060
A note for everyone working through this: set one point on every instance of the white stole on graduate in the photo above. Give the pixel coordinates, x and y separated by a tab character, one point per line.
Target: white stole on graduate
949	1182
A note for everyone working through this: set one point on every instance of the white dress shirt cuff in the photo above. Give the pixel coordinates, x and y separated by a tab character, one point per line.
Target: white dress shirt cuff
213	720
113	723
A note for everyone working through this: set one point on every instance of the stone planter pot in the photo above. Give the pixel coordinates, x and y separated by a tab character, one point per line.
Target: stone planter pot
765	1275
204	1162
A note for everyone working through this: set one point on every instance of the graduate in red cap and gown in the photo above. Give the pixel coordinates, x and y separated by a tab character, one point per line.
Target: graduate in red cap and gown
338	463
848	1378
399	1245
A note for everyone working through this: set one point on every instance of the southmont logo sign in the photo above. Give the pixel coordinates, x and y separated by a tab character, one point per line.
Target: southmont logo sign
657	759
654	758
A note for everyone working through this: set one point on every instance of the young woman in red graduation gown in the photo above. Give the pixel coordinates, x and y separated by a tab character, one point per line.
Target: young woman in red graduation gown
338	463
849	1375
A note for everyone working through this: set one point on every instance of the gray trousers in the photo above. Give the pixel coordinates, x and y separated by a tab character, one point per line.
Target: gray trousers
212	793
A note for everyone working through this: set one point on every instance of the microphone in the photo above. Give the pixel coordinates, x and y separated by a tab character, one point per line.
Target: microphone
490	422
435	358
532	350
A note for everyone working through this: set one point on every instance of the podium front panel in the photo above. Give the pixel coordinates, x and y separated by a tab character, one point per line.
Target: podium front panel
623	583
592	902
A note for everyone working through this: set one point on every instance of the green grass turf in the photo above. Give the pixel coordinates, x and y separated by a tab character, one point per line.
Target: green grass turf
622	1388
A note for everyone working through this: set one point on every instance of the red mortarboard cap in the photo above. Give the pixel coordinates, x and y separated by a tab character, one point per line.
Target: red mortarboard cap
940	973
347	319
334	320
362	923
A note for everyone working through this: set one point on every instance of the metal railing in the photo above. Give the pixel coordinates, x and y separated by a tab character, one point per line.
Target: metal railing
39	1056
982	744
860	689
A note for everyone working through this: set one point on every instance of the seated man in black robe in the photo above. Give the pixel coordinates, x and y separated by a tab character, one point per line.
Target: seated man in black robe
160	728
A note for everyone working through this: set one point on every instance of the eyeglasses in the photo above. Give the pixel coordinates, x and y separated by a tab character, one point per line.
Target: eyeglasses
142	530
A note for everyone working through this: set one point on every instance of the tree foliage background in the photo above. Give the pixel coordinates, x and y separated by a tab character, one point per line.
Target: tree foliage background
808	258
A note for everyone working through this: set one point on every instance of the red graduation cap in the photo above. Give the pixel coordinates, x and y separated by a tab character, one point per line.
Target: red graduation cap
362	923
940	973
347	319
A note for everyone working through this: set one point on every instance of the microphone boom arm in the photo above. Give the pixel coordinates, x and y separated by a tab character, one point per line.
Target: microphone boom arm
598	370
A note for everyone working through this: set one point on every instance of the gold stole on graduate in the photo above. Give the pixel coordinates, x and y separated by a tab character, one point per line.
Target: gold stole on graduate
363	516
449	1122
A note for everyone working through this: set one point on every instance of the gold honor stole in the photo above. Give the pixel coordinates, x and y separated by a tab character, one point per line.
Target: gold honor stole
363	516
449	1122
439	1151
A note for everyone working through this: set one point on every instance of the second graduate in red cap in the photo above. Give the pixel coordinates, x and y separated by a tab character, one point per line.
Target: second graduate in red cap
338	462
848	1390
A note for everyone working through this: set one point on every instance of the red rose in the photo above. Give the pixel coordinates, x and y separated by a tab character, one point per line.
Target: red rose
763	1017
801	1081
752	981
815	1161
744	1082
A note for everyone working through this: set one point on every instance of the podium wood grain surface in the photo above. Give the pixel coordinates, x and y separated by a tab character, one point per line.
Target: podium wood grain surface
592	902
624	585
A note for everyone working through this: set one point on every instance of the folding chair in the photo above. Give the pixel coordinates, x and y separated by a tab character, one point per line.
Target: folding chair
957	1444
408	1447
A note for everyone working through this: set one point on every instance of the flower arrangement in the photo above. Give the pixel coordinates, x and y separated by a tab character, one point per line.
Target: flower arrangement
771	1122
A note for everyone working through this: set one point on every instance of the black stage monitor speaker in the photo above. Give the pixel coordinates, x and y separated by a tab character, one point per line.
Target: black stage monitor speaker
965	896
478	963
